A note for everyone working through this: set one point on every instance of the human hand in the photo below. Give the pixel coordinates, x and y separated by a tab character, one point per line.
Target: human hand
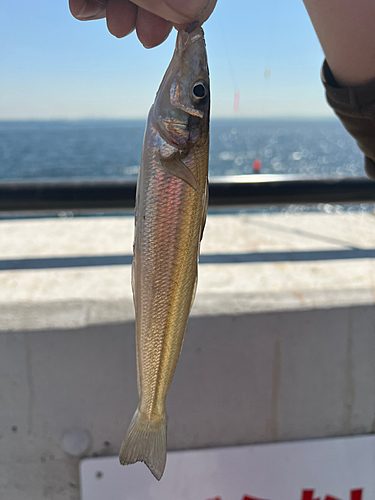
153	19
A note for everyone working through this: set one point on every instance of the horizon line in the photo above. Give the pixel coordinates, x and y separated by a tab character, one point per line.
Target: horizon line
117	119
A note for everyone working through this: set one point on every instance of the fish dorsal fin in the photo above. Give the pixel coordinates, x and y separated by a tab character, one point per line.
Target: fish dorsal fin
175	166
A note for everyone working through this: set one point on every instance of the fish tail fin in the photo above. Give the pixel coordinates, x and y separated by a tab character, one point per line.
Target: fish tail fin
146	441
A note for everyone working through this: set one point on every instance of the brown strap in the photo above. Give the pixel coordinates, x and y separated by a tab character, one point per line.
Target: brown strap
355	107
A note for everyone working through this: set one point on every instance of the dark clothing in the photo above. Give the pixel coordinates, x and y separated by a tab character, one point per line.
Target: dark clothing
355	106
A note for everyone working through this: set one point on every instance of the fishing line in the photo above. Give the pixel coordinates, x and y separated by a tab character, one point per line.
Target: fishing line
236	102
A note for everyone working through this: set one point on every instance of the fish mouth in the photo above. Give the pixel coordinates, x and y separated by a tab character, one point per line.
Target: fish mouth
192	34
191	27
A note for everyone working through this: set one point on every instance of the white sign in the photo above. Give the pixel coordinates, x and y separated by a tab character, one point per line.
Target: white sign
328	469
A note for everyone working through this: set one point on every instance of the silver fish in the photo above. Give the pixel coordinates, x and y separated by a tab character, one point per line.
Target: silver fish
170	214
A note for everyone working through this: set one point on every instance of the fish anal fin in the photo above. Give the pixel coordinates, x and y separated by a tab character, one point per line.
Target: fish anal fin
175	166
204	211
133	272
194	292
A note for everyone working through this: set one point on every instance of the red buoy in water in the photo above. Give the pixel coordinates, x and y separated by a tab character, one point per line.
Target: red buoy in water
257	165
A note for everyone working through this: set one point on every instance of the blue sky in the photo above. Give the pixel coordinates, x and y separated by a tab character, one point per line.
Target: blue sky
54	67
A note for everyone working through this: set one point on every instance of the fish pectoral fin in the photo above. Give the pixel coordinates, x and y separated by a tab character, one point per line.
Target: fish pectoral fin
166	150
175	166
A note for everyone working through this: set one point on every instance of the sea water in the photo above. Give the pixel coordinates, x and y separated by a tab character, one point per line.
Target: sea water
112	149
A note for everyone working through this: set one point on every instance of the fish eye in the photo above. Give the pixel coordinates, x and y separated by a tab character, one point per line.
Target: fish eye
199	91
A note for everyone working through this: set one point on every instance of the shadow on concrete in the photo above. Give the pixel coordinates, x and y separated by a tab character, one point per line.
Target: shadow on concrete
232	258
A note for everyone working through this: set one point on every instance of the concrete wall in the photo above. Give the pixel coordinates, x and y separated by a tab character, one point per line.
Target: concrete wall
241	379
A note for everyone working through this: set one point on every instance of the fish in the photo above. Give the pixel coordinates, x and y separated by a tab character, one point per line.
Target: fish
170	215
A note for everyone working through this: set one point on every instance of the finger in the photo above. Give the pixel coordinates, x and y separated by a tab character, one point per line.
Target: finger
194	10
121	17
182	27
162	9
85	10
152	30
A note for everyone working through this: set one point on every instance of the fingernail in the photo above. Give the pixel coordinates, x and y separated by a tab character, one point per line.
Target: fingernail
206	11
91	10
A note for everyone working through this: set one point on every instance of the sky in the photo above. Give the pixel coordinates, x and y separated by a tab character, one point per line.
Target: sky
55	67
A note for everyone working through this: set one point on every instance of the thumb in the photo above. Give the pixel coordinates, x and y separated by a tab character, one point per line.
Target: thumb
179	11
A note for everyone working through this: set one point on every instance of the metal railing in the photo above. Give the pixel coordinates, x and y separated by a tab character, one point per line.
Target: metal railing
237	191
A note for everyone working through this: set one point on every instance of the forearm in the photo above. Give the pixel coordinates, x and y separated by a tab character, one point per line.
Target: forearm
345	29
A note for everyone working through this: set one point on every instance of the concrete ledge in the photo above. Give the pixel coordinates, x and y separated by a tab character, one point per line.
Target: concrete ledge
263	263
273	351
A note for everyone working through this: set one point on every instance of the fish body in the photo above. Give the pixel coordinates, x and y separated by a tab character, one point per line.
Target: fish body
170	214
